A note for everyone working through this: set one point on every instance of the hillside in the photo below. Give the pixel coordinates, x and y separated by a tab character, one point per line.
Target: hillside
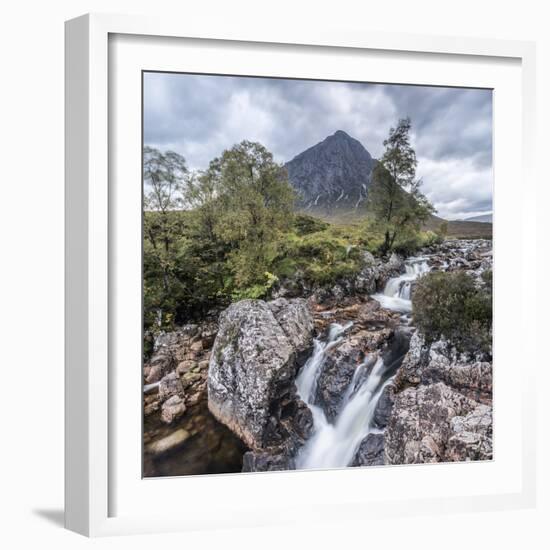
484	218
462	229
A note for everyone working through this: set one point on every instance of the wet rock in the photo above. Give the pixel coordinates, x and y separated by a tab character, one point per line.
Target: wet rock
172	409
169	443
335	377
386	270
252	370
371	451
384	407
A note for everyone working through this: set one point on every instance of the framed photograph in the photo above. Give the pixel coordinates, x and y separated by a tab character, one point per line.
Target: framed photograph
289	275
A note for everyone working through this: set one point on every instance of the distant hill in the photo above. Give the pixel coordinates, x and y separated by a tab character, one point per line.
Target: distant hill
462	228
484	218
332	176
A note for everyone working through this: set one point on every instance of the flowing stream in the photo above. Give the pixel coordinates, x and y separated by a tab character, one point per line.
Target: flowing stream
335	444
397	293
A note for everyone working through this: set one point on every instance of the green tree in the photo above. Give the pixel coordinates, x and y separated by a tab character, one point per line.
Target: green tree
395	200
164	177
254	204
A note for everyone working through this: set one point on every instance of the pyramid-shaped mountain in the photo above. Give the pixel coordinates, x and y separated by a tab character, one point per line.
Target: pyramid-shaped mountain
332	175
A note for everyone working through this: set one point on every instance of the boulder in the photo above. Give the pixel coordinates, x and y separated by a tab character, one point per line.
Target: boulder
169	443
172	409
371	451
365	281
267	462
166	349
440	362
336	375
385	271
422	422
252	370
471	436
296	321
169	386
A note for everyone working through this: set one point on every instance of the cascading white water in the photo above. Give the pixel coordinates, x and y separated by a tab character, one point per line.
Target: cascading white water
306	382
397	293
334	445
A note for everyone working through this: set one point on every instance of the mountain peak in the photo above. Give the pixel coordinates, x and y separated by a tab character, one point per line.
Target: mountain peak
334	174
341	133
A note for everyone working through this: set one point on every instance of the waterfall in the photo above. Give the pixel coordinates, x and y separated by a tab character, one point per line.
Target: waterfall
397	293
306	382
334	445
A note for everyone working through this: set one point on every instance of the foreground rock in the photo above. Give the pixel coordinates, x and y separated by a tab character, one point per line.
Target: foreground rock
442	407
371	451
251	375
181	437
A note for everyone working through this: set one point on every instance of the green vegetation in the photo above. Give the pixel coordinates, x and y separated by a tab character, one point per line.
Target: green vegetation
450	305
212	236
395	200
230	232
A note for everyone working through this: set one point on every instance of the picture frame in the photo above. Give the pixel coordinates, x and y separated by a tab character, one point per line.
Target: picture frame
103	54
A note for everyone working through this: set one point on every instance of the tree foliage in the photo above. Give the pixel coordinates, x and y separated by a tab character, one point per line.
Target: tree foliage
212	235
255	203
164	183
395	200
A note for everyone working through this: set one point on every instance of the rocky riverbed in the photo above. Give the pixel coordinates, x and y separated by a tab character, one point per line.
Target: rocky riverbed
222	395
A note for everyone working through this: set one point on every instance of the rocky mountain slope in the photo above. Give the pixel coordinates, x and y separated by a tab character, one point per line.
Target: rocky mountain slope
332	175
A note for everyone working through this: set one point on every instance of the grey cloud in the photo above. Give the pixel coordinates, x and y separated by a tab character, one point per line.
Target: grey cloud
199	116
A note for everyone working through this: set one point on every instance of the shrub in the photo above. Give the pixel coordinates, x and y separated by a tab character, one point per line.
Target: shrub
408	246
257	291
322	258
304	224
429	238
451	306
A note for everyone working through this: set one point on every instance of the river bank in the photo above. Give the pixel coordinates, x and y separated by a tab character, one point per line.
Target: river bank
338	377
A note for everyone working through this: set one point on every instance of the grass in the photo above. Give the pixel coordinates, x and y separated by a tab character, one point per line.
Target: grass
455	229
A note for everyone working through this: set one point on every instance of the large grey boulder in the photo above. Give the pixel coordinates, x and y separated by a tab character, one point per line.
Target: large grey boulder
365	281
252	370
296	321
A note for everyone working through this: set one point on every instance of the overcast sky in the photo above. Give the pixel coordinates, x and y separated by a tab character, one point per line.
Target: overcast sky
200	116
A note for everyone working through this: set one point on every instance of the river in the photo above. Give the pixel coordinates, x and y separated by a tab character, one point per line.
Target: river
335	444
